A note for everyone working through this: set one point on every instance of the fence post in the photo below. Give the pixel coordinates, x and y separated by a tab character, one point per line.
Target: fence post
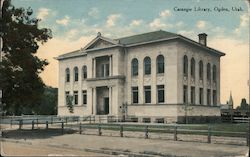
175	133
80	128
66	120
20	123
51	119
209	135
146	131
99	130
11	123
247	136
47	125
121	130
62	127
33	124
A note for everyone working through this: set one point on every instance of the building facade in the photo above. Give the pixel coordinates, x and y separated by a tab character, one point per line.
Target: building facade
153	75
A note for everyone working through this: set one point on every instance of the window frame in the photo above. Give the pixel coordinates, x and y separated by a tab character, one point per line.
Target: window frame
67	77
185	65
134	67
147	94
160	62
84	97
160	88
76	74
147	65
135	89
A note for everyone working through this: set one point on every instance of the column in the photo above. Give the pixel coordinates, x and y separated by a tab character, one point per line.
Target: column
110	100
94	100
94	68
110	66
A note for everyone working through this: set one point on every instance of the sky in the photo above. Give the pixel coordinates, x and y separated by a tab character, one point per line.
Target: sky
74	23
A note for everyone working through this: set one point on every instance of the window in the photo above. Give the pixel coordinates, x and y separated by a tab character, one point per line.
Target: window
161	94
66	97
75	97
185	94
214	98
201	97
135	95
147	94
160	64
67	71
214	73
76	73
201	70
208	72
84	72
193	68
147	66
134	67
84	97
208	97
185	66
105	70
192	95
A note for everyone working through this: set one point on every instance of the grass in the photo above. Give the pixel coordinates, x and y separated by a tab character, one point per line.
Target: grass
219	129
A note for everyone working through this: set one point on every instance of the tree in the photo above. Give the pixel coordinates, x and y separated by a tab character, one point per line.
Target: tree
20	68
69	103
48	104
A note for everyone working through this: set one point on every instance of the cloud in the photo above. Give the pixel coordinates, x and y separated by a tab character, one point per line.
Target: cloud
64	21
201	24
157	23
43	13
112	19
165	13
244	24
94	12
136	23
179	24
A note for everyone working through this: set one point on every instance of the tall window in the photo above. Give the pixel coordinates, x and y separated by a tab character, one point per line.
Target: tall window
214	73
76	73
185	94
201	70
84	97
201	102
160	64
134	67
160	93
75	97
208	97
105	70
193	68
67	71
84	72
147	94
147	66
66	97
192	95
214	98
185	65
208	72
135	95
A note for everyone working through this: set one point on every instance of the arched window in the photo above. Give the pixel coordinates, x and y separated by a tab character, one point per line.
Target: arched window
208	72
201	70
160	64
134	67
214	73
67	72
84	72
147	66
193	67
75	74
185	65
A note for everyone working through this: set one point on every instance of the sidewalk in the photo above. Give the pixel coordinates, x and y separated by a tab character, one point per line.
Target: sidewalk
138	145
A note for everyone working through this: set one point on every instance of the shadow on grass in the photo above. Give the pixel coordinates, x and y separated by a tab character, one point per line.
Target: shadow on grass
36	133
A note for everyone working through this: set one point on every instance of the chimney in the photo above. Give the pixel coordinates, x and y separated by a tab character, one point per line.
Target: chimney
203	39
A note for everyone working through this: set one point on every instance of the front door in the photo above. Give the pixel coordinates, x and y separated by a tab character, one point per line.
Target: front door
106	105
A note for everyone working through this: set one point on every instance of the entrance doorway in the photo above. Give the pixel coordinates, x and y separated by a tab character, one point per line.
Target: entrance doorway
106	105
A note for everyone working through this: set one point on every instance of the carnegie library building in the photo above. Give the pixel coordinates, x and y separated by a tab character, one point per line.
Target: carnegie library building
152	76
